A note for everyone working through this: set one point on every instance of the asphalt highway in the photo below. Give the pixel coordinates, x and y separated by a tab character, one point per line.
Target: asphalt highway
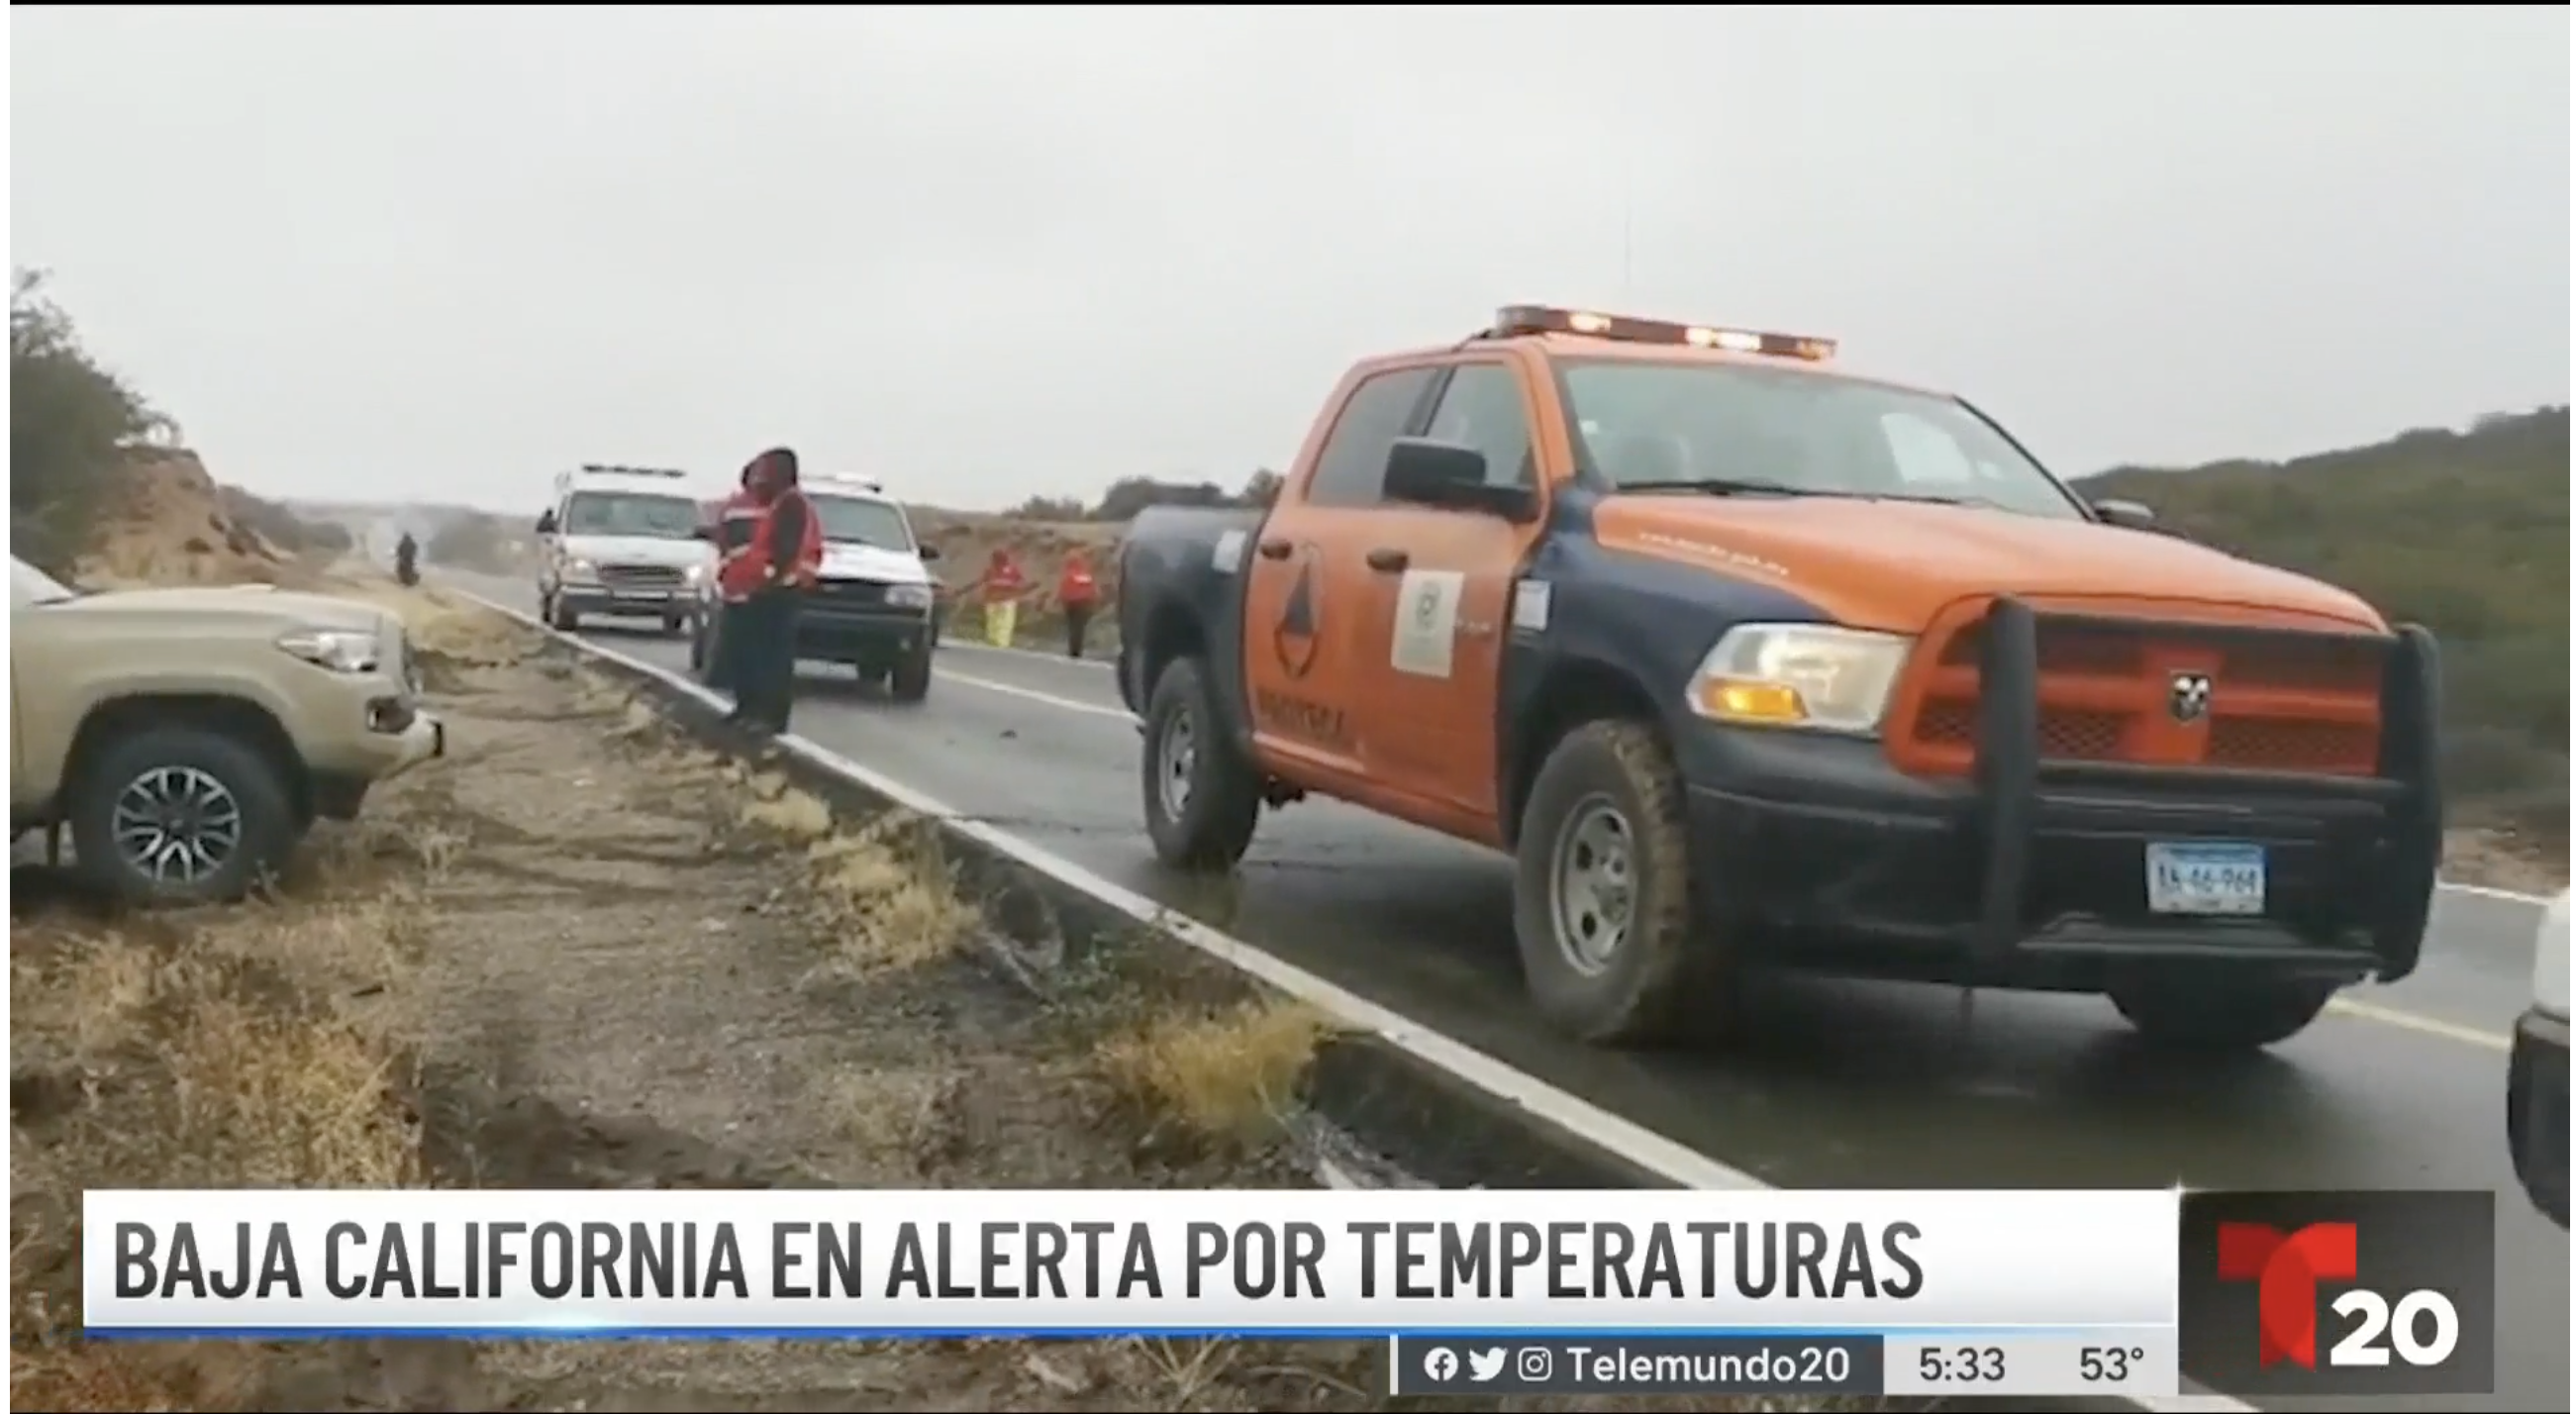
1839	1085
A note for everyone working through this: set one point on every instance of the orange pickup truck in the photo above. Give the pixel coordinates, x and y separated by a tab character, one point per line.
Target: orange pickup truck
1749	661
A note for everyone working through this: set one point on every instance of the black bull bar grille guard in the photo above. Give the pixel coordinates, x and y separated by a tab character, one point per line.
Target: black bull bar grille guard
2014	784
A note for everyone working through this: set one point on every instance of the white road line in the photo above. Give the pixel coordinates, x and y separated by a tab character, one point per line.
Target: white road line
1097	664
1067	703
2505	895
1569	1113
2418	1022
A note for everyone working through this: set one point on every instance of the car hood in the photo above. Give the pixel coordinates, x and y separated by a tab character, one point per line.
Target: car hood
870	562
244	601
1894	565
635	550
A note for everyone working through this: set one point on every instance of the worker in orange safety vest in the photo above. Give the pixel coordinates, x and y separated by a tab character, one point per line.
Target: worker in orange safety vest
731	533
1002	585
1079	593
777	569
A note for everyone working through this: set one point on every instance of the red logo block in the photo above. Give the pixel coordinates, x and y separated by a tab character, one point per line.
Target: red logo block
2286	1268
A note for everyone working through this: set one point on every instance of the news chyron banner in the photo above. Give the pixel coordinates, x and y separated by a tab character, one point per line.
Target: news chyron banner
2050	1294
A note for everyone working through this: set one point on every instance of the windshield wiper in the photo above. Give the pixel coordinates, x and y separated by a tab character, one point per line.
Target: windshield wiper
1982	503
1720	486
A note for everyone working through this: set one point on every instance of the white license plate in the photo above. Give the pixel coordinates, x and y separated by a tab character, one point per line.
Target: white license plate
2205	878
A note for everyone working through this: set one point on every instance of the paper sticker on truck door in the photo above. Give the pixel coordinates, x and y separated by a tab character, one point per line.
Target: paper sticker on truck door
1426	622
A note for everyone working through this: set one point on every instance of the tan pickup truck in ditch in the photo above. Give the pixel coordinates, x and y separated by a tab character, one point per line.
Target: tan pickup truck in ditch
189	737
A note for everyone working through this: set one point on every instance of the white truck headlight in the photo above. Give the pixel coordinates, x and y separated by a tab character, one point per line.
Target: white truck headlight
1813	676
2549	961
579	568
908	596
339	649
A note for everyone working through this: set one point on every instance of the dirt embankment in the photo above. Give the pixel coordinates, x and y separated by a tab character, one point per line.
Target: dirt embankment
584	952
166	521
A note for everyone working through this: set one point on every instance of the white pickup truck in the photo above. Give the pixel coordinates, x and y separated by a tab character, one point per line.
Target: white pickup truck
2535	1117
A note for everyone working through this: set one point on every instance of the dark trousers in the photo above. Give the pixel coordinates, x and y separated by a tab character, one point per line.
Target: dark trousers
724	633
764	658
1077	621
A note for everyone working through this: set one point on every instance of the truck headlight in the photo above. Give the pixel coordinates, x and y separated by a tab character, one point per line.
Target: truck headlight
339	649
694	575
908	596
1799	675
579	568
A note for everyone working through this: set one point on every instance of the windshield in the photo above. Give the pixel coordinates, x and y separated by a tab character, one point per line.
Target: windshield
848	521
630	513
29	585
1720	425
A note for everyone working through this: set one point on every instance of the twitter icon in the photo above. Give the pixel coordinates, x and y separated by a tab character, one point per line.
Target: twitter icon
1483	1365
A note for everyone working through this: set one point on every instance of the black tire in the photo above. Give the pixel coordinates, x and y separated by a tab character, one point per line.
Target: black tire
261	802
910	680
1615	778
1219	795
2216	1013
698	650
563	618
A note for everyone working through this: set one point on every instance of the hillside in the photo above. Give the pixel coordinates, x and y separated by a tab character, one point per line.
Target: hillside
2464	532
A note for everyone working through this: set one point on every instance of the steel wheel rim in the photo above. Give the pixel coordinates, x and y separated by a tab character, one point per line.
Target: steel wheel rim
1179	760
176	824
1593	885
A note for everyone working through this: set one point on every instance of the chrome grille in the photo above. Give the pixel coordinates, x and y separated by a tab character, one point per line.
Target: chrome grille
854	592
641	576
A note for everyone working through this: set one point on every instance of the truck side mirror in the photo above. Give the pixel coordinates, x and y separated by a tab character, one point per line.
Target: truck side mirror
703	532
2128	515
1425	471
929	553
546	523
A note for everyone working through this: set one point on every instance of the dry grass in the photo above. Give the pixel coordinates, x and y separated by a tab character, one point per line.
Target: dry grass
770	803
1225	1076
881	892
263	1046
443	625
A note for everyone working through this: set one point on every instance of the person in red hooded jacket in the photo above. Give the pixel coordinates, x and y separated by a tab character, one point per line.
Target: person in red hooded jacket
777	569
1079	592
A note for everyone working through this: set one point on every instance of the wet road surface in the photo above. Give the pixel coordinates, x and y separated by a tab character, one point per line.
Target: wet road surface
1837	1084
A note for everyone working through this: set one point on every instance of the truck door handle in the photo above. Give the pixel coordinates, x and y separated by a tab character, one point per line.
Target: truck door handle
1276	549
1389	561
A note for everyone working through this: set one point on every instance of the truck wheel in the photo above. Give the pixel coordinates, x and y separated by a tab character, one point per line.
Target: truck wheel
2218	1014
563	617
180	815
1202	798
1602	897
910	680
697	650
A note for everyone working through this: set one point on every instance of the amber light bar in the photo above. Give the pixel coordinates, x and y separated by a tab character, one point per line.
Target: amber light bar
1546	319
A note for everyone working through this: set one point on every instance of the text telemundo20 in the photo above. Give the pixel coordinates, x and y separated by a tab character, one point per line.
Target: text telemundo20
2037	1293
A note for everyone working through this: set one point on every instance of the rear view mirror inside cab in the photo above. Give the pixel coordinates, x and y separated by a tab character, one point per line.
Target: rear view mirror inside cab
1426	471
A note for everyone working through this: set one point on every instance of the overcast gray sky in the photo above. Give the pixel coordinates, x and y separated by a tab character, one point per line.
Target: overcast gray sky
988	253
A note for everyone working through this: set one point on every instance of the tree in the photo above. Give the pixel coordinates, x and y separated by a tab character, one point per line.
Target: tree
73	426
